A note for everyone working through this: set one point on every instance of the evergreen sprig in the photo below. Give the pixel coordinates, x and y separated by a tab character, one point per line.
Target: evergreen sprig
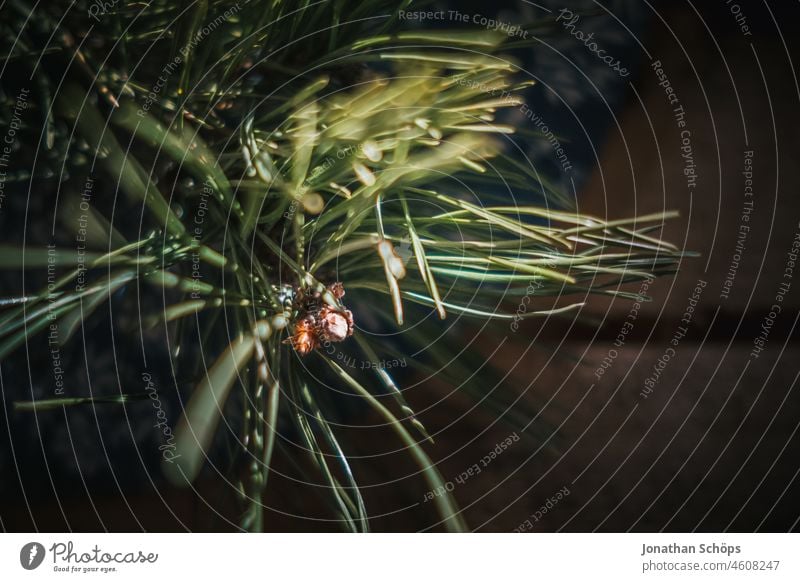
278	148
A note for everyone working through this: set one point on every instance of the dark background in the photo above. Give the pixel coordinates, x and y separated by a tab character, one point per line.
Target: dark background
713	448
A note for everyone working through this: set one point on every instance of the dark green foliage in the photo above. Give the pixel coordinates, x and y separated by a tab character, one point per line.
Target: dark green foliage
242	155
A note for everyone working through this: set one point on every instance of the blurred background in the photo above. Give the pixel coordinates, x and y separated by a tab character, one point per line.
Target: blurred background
683	425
